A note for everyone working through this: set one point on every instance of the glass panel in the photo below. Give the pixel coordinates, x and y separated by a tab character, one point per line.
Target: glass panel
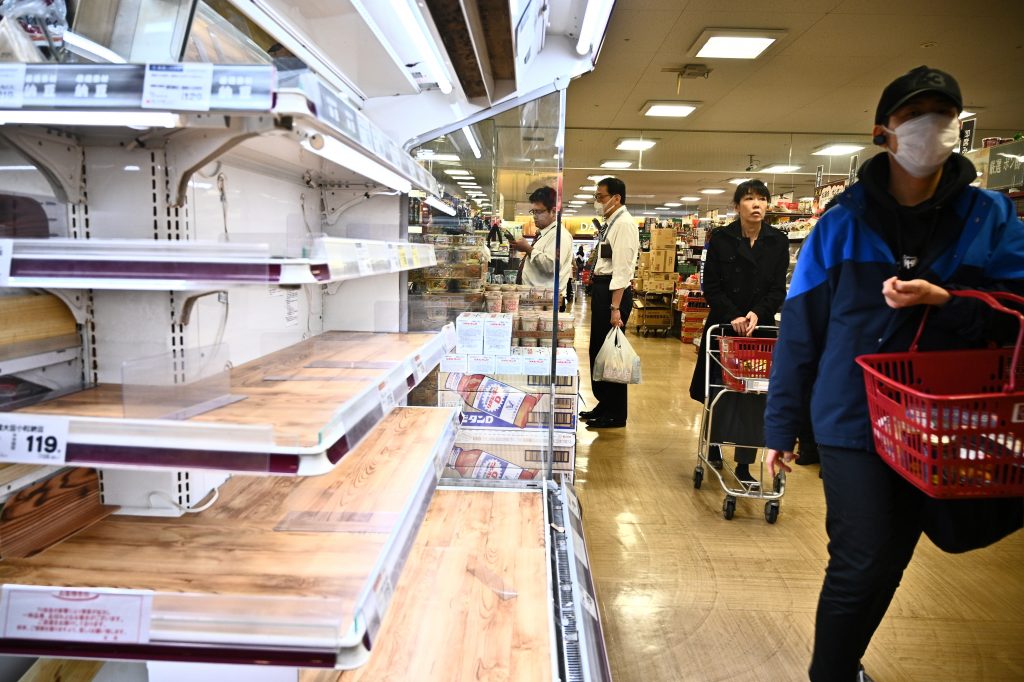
177	385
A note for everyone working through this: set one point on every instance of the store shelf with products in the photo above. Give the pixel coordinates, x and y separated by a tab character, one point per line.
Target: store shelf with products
282	571
297	411
180	266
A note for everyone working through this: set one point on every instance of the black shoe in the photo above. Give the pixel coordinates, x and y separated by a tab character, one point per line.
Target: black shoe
715	458
744	476
587	415
606	423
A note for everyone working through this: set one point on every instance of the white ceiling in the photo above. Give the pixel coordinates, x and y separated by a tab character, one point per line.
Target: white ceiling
819	83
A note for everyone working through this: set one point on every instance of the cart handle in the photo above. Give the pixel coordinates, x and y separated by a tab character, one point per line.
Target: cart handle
991	298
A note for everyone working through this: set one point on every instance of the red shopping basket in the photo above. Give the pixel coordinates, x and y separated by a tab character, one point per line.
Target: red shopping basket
746	362
951	422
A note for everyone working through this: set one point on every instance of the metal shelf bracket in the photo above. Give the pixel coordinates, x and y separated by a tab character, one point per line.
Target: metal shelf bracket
57	155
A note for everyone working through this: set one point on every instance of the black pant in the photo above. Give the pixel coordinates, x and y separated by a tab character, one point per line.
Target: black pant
873	521
611	397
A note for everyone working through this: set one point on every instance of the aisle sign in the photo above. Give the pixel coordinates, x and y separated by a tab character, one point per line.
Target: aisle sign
967	135
105	616
12	85
33	438
6	252
1006	165
818	173
175	87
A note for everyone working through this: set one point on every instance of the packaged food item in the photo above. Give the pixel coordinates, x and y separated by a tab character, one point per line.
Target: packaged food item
482	464
494	301
493	397
509	301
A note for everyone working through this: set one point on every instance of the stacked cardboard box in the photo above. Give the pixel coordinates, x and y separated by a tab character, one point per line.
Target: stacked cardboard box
507	406
695	314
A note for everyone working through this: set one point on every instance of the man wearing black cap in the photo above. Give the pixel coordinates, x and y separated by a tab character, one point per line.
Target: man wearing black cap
898	241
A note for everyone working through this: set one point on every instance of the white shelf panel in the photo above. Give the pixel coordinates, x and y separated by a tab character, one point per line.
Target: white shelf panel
180	266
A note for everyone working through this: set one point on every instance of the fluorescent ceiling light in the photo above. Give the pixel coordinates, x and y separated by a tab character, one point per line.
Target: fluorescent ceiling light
471	139
635	144
966	114
343	155
595	23
669	109
457	171
641	196
738	181
440	205
596	178
734	46
577	203
712	190
588	188
582	196
672	204
837	150
132	169
661	208
689	199
648	213
113	119
429	155
616	164
470	184
17	168
416	31
780	168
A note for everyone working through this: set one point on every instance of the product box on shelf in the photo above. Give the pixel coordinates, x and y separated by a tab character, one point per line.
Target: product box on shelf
663	260
644	262
663	238
498	334
509	454
660	283
469	333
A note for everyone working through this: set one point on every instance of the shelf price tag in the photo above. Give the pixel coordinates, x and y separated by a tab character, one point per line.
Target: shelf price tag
6	252
363	259
421	370
33	438
186	86
393	257
387	397
403	257
12	86
107	616
415	257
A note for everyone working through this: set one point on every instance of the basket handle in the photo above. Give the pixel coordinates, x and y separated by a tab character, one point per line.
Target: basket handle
992	299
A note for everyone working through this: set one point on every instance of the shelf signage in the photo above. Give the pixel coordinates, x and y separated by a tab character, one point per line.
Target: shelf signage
172	87
12	85
967	135
105	616
387	397
1006	165
6	252
33	438
363	259
393	257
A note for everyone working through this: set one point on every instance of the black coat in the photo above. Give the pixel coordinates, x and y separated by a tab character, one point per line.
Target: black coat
738	280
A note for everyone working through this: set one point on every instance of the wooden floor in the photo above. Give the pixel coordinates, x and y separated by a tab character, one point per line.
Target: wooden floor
687	595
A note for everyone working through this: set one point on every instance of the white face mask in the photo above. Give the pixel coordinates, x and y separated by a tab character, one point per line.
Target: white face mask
924	143
602	209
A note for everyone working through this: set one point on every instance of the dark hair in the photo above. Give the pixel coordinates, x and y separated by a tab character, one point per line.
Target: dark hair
755	187
544	195
614	186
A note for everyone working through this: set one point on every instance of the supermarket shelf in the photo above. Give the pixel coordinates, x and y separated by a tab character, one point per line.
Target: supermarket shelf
297	411
239	102
177	266
29	355
281	571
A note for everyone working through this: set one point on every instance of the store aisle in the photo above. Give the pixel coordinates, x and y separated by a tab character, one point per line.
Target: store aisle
687	595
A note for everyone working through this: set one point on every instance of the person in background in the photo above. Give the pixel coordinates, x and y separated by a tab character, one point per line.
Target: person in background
540	256
744	284
898	241
617	251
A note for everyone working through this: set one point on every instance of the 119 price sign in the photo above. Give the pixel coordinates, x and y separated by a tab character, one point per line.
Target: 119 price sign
33	439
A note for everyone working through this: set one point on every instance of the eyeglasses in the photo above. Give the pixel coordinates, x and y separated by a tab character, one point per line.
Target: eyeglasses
602	197
538	211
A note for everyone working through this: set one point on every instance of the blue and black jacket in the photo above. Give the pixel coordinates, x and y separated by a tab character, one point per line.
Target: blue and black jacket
835	310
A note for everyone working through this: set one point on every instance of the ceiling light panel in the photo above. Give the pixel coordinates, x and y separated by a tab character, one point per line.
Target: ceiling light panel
635	144
780	168
457	171
739	181
838	150
614	163
734	43
669	109
712	190
689	199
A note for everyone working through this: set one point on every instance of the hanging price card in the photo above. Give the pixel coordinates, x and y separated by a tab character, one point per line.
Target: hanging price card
72	615
12	85
174	87
33	438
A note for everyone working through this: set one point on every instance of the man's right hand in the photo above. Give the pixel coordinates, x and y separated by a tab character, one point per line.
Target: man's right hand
739	325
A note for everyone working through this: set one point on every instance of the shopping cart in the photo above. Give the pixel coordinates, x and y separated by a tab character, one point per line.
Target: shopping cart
952	422
745	363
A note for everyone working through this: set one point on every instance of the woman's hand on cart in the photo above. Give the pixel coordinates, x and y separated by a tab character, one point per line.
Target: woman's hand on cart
903	294
739	325
745	325
776	461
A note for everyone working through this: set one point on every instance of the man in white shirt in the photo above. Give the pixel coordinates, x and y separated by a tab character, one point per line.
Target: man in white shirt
617	252
540	257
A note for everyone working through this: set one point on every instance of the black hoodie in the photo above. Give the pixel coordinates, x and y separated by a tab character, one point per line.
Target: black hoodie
916	234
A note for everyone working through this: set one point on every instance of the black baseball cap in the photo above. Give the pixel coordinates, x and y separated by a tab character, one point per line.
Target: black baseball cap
920	80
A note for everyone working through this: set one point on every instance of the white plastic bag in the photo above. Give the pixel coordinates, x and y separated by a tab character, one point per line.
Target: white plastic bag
617	362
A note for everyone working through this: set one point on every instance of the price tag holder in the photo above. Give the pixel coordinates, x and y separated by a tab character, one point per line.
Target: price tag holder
12	86
403	257
363	259
393	257
106	616
387	398
6	252
421	370
33	438
175	87
416	262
